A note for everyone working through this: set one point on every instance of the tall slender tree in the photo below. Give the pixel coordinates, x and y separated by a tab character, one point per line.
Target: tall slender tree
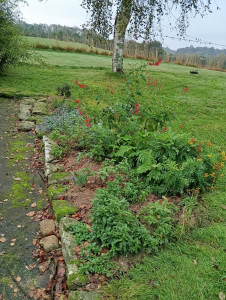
138	16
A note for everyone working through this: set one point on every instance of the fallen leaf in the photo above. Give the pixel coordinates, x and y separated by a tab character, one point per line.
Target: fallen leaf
19	226
18	279
34	204
40	191
195	262
13	240
3	240
15	290
44	266
5	200
2	253
11	286
34	242
30	214
12	244
223	206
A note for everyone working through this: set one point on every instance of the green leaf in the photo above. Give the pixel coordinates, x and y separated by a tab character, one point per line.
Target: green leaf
142	76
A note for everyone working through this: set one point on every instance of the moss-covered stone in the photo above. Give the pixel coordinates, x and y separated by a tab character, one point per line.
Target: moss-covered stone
61	208
56	192
82	295
74	279
61	177
37	119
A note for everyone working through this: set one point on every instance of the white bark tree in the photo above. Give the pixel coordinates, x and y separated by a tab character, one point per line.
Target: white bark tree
140	15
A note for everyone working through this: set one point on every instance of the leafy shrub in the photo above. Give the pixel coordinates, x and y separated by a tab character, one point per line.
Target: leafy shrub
157	217
64	90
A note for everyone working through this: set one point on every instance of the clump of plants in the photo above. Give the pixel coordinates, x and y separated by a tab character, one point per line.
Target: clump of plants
64	90
145	156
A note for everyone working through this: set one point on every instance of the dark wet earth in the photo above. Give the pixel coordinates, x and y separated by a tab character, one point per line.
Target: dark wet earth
19	189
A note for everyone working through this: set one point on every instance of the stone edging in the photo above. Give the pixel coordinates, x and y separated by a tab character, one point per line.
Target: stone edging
31	112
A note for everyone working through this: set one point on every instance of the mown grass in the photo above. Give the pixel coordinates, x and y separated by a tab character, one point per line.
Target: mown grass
193	267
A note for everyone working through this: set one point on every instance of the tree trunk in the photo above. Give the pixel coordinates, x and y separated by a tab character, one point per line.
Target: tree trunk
121	23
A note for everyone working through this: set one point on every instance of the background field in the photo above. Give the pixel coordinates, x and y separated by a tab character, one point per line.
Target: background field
192	268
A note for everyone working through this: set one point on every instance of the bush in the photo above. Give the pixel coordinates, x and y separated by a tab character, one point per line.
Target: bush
13	47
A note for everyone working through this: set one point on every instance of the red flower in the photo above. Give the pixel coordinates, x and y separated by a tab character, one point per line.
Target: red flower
76	81
111	92
79	111
185	89
77	101
164	130
87	122
136	110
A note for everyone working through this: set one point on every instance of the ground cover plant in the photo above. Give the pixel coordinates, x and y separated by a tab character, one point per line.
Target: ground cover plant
200	114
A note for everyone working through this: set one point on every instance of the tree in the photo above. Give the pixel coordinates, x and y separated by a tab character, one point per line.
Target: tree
139	17
12	45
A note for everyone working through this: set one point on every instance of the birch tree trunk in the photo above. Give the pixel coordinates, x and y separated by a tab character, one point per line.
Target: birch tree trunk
121	23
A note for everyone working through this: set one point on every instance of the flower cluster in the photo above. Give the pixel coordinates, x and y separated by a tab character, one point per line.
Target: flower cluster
136	110
164	129
82	86
185	89
156	63
87	121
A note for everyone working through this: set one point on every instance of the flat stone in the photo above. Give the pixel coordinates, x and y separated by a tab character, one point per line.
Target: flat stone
28	101
52	168
82	295
61	177
62	208
25	107
39	108
56	192
24	115
26	125
49	243
47	227
67	239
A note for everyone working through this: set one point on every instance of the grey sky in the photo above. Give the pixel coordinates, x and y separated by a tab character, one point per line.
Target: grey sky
211	28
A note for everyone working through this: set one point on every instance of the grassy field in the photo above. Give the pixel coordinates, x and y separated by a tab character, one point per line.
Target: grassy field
194	266
38	42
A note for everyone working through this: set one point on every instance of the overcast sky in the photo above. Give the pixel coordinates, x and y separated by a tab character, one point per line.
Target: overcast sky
211	28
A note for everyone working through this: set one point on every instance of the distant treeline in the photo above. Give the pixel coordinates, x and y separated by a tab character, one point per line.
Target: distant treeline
150	50
200	51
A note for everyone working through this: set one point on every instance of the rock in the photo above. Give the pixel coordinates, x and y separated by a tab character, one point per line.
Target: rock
61	208
61	177
56	192
74	278
47	227
25	107
67	239
24	115
50	243
28	101
51	168
26	125
39	108
82	295
48	146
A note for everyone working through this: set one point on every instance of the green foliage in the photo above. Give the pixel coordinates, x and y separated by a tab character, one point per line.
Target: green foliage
157	217
13	47
64	90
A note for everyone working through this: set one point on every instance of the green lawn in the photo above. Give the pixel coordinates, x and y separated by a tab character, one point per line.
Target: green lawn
193	267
